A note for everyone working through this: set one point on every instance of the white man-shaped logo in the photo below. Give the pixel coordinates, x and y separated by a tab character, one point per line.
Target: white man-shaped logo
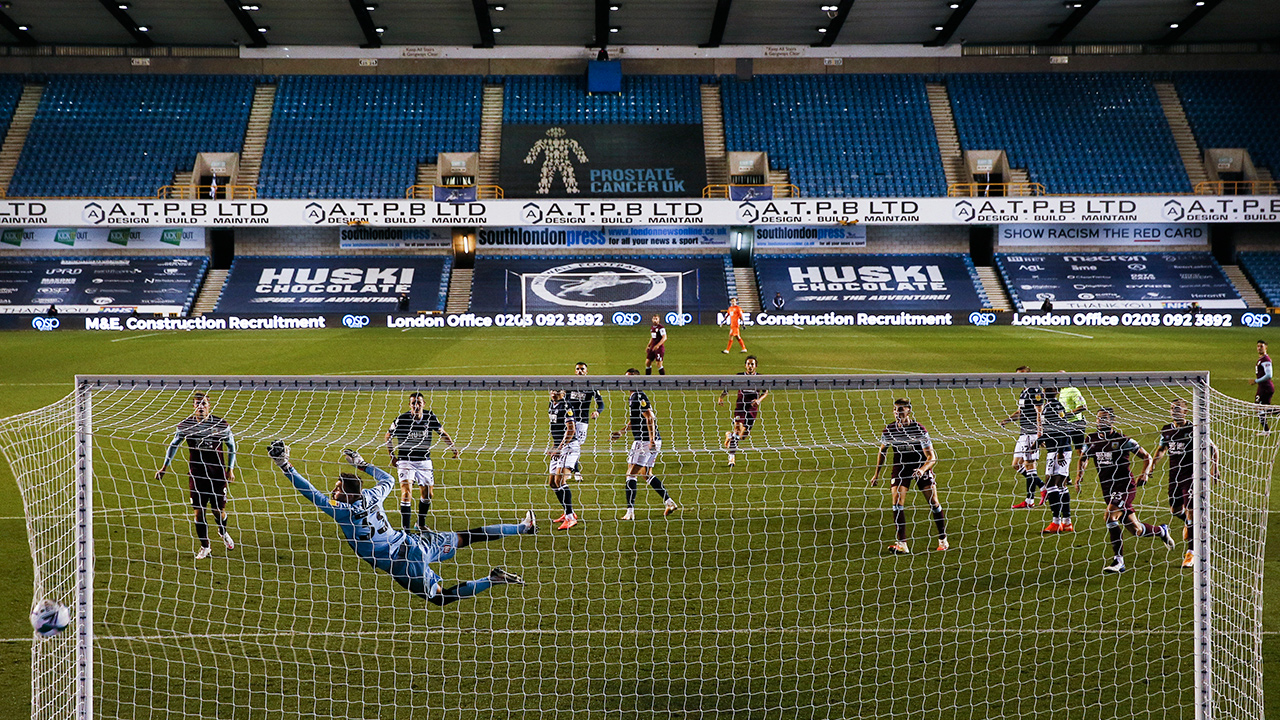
555	148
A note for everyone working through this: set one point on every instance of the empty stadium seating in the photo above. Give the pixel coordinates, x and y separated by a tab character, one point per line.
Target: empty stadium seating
1229	110
362	136
543	99
1075	133
839	135
10	92
1263	268
126	135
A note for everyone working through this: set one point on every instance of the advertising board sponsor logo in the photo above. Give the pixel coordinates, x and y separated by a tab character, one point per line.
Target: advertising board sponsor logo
678	319
982	319
964	211
355	321
626	319
1255	320
45	324
93	213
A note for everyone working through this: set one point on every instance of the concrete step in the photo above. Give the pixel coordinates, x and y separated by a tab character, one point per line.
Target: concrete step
210	291
490	136
459	298
994	288
748	291
713	135
1244	286
944	128
255	136
1183	136
16	138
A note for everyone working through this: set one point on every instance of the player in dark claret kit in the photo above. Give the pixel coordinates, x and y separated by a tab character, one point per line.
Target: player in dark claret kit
1110	451
211	465
745	411
1177	440
657	347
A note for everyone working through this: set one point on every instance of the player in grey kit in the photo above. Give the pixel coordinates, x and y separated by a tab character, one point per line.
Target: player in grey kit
404	556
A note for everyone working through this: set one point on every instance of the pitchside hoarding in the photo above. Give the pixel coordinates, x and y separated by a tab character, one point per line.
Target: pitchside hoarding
602	161
320	285
1129	281
101	238
868	283
84	285
1132	235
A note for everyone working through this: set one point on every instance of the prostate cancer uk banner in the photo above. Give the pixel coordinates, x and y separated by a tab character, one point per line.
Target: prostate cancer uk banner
332	284
1130	281
870	283
602	161
90	285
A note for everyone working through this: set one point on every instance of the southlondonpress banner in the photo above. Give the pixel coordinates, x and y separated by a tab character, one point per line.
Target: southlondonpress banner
594	161
1132	236
332	284
639	237
868	283
101	238
376	238
83	285
1121	281
691	211
791	236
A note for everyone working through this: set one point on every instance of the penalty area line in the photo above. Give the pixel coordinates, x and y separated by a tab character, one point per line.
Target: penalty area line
1061	332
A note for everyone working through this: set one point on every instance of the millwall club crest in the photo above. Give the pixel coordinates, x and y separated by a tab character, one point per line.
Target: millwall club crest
598	285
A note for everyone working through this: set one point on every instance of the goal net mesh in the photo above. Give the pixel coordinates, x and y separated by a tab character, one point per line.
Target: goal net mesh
769	593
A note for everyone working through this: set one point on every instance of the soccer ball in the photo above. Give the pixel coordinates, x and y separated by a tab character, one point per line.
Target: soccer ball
49	618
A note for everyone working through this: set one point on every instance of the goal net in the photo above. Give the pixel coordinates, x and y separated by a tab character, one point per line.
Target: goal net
769	592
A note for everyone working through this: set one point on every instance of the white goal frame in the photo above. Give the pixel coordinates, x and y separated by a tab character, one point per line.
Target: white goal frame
1208	646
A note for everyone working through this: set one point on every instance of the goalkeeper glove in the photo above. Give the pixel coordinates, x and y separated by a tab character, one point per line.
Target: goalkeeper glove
354	458
279	454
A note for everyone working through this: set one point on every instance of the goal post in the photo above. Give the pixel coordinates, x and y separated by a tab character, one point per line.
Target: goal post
768	592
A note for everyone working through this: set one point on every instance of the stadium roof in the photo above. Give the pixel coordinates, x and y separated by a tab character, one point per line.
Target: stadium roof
582	23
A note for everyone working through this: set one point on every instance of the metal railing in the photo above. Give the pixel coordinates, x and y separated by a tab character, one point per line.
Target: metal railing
779	190
207	192
483	192
995	189
1237	187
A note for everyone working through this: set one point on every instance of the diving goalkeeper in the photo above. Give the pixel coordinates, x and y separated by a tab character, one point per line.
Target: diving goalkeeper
404	556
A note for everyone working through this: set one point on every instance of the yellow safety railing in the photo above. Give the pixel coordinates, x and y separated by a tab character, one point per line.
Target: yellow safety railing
722	190
207	192
1237	187
995	189
483	192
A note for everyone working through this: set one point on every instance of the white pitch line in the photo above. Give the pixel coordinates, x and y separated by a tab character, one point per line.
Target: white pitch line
135	337
1061	332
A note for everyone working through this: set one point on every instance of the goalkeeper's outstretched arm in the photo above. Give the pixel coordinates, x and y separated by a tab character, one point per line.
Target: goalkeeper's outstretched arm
279	454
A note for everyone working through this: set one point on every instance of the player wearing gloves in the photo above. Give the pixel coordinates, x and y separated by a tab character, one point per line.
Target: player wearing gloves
406	557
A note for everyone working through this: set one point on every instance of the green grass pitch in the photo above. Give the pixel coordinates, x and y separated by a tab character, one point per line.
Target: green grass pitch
703	641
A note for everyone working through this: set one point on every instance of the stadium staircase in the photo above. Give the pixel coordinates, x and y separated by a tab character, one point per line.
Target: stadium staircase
747	289
426	174
490	144
1252	297
16	138
713	135
459	299
1185	139
210	291
944	126
255	135
994	288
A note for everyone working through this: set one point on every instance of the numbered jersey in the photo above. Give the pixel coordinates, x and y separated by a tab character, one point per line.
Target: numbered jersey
363	523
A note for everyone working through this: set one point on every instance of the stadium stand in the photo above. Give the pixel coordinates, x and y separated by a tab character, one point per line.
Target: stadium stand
101	283
645	99
1074	133
1263	268
362	136
877	283
334	284
1235	110
839	135
642	284
1088	281
126	135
